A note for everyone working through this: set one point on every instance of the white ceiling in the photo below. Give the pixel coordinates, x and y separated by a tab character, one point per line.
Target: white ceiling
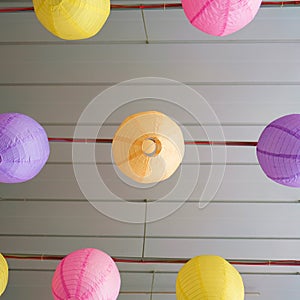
247	79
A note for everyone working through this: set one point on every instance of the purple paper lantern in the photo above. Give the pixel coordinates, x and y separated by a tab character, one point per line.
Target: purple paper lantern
86	274
278	150
24	148
220	17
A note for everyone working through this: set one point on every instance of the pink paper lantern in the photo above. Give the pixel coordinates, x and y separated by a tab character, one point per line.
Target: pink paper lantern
220	17
278	150
86	274
24	148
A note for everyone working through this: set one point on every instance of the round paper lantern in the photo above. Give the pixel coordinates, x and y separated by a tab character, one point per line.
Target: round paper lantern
72	19
209	277
86	274
220	17
278	150
3	274
24	148
148	147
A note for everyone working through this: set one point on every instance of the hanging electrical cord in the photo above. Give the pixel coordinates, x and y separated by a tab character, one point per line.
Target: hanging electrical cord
154	6
106	141
289	263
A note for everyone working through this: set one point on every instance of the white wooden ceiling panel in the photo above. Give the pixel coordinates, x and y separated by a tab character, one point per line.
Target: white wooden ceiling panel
228	248
136	282
226	220
164	282
25	28
51	104
233	104
62	218
23	264
275	287
55	245
160	296
182	62
253	185
268	25
27	285
134	296
215	220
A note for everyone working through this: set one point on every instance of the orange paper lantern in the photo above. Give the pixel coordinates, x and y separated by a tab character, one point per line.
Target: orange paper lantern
148	147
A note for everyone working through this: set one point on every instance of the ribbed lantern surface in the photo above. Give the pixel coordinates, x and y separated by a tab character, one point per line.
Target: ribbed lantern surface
24	148
72	19
278	150
209	277
3	274
86	274
148	147
220	17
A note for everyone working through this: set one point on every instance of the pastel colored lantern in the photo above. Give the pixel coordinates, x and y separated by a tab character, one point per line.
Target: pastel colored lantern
220	17
209	277
24	148
278	150
148	147
72	19
86	274
3	274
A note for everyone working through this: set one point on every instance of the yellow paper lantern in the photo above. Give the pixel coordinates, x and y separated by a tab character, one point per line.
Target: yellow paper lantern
148	147
3	274
72	19
209	277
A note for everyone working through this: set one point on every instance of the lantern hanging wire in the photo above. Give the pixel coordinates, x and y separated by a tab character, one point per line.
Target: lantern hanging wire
153	6
187	142
43	257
